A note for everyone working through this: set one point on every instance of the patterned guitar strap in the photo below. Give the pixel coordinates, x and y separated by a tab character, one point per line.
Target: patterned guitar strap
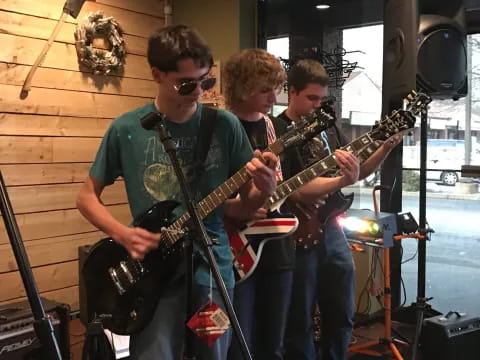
271	138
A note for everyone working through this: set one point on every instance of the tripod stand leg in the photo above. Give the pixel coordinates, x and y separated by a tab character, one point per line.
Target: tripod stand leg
364	348
395	351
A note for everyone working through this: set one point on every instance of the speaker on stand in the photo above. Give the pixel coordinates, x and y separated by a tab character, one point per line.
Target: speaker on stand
424	49
442	50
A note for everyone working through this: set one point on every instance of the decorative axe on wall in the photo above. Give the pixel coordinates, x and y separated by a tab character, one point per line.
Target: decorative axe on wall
72	8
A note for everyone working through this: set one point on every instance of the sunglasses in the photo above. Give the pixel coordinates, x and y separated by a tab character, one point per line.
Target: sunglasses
188	87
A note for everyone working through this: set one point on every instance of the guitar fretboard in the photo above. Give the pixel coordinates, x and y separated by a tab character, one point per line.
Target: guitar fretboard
363	147
173	233
208	204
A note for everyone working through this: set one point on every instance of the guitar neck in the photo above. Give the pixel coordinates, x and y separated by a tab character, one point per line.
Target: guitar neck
217	197
363	147
209	203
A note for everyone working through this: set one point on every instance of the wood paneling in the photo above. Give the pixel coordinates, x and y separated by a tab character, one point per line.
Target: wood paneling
32	149
40	28
49	138
40	125
49	224
28	199
77	81
66	103
150	7
35	174
23	50
131	22
48	278
48	251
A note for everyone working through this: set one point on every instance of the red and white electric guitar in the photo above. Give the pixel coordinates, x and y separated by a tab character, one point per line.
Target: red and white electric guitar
247	242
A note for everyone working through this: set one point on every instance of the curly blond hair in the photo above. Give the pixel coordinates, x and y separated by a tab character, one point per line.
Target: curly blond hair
247	72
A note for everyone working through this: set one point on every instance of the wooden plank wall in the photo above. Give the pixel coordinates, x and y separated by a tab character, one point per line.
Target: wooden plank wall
48	140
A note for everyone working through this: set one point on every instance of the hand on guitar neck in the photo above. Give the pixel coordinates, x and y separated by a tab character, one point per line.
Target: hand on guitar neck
262	171
389	144
349	166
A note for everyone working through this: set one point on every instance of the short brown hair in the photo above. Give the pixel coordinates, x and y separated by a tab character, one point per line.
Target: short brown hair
307	71
247	71
172	43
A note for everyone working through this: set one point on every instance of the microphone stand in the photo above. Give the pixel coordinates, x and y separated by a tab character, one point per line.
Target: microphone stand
42	324
156	121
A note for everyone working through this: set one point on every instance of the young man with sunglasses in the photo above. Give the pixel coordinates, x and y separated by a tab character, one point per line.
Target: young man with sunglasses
180	61
324	273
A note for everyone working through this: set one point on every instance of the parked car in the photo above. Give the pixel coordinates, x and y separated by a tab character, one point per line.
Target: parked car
444	159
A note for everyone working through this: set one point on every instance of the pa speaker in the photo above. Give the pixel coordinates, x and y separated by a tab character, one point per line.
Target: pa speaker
425	48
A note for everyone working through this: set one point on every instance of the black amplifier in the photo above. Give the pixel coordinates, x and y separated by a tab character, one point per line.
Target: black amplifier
17	335
451	337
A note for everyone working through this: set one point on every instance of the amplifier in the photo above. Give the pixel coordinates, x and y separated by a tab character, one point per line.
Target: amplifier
18	340
451	337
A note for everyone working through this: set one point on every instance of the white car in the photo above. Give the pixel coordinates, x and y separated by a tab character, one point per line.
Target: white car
445	157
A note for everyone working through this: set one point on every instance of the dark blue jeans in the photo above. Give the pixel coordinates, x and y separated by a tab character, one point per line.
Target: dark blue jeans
261	303
324	274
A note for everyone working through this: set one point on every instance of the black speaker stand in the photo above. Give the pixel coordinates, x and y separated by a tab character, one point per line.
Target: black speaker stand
418	311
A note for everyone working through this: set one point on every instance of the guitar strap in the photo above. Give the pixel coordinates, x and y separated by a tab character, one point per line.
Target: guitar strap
208	118
271	138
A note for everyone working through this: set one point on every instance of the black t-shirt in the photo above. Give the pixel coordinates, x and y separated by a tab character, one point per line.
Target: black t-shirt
316	149
276	254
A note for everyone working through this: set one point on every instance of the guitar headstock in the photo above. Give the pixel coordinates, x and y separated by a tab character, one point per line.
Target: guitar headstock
303	130
416	102
401	120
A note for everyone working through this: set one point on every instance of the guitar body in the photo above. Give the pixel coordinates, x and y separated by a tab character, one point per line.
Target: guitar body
247	244
129	312
310	230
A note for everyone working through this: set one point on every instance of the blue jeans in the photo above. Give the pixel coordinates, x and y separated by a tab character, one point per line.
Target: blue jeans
323	275
261	304
163	337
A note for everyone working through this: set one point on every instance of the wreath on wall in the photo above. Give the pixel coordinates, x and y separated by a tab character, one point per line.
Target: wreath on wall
98	60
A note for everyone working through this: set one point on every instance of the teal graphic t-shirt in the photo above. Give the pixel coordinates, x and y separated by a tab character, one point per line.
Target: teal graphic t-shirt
129	151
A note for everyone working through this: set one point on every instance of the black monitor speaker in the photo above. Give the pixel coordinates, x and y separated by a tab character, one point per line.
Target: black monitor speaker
425	48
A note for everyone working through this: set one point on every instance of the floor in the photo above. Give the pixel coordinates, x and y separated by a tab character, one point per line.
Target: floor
361	335
404	333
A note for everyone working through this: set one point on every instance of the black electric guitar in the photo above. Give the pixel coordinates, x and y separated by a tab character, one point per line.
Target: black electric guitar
126	291
310	229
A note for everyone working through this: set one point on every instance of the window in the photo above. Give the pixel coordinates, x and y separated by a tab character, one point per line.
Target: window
280	48
453	203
